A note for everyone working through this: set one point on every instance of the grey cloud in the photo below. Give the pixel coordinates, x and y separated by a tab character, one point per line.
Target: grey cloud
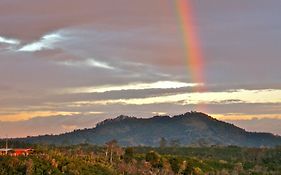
267	125
45	17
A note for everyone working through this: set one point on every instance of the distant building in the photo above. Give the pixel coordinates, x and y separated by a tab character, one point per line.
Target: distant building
21	151
16	151
4	151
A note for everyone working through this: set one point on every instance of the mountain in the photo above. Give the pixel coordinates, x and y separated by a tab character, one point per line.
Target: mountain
192	128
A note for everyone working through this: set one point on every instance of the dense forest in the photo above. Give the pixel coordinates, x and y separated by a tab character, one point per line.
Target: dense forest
111	159
201	145
189	129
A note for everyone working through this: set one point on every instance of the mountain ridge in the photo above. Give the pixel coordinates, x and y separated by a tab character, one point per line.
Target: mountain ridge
189	129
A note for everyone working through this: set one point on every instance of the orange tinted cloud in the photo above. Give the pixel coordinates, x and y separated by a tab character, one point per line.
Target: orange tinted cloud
28	115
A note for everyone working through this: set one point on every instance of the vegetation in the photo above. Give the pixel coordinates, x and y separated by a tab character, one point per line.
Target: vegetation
112	159
199	146
192	129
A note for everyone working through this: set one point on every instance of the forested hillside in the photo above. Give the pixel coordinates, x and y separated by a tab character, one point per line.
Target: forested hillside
189	129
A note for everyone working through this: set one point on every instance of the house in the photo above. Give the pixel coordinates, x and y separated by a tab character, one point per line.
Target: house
16	151
21	151
5	151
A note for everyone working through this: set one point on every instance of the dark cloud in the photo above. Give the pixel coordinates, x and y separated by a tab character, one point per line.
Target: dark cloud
142	41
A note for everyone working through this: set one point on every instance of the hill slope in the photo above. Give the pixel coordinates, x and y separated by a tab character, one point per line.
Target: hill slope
191	128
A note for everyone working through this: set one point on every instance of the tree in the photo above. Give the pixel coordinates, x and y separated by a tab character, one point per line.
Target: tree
175	164
154	159
129	154
162	142
111	147
29	167
175	143
197	171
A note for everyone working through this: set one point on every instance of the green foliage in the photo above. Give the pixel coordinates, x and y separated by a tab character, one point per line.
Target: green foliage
92	160
163	142
192	129
175	164
129	154
154	159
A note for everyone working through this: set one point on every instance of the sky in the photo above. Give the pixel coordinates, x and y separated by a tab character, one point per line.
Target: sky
67	64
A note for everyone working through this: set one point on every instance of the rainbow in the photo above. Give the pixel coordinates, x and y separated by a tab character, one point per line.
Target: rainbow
193	53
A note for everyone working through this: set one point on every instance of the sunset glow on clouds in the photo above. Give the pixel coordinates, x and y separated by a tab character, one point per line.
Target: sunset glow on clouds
133	86
239	96
88	60
28	115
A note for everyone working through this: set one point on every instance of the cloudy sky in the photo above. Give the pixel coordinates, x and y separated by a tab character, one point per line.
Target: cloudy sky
67	64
